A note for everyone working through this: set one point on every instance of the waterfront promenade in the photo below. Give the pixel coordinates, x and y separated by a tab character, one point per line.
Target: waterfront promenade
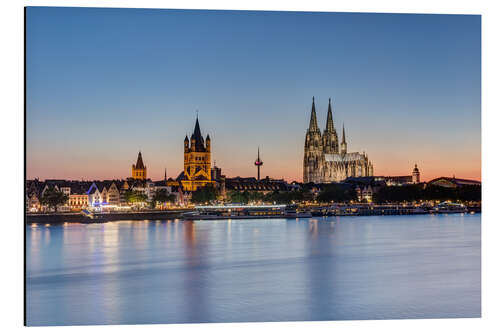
315	210
103	217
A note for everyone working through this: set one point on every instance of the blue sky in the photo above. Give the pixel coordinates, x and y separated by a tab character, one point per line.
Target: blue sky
104	83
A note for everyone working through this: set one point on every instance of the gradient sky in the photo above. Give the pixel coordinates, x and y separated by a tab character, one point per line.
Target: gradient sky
103	84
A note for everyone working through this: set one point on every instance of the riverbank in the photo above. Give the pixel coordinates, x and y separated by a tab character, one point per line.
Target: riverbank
349	210
102	217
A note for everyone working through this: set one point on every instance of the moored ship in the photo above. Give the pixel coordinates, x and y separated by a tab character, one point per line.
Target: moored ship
449	208
216	212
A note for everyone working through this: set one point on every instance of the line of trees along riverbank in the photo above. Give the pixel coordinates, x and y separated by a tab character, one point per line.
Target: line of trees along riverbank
347	193
410	193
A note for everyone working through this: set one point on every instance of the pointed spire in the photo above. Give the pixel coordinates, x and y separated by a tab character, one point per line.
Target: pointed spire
199	144
343	144
343	134
197	131
329	118
139	164
313	123
165	174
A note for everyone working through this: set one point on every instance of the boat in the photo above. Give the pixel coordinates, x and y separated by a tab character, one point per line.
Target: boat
91	217
293	211
418	210
217	212
449	208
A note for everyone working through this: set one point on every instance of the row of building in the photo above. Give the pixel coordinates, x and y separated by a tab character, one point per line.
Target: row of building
325	161
109	194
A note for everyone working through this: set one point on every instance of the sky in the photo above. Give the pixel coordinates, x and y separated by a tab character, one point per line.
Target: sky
103	84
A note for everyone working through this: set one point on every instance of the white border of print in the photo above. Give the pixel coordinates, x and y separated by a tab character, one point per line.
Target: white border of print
11	87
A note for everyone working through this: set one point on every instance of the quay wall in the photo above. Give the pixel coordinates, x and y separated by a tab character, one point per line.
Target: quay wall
103	217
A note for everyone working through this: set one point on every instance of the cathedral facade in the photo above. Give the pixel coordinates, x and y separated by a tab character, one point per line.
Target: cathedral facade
325	159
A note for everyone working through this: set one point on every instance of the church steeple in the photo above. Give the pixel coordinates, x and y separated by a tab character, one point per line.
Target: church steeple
313	150
139	170
139	164
313	123
329	118
197	138
330	140
343	144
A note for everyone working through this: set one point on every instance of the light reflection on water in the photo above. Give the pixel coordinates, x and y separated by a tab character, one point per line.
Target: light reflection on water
334	268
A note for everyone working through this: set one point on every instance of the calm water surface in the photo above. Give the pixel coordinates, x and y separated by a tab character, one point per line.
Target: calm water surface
337	268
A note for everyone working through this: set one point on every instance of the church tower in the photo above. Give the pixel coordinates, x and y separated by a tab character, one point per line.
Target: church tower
415	176
197	169
139	170
330	140
313	151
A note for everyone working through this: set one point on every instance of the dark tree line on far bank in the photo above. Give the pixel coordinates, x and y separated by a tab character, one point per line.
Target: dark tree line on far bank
210	193
409	193
346	193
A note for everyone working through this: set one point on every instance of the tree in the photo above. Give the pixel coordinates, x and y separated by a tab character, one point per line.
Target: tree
53	198
469	193
411	193
135	196
238	197
337	193
255	196
404	193
162	196
284	197
204	194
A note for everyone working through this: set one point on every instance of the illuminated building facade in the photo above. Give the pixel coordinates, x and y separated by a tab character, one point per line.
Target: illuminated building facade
197	169
139	170
325	160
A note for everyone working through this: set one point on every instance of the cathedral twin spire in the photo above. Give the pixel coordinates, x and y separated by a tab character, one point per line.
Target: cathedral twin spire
329	138
313	123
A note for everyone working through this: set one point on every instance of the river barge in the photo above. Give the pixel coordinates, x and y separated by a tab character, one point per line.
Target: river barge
217	212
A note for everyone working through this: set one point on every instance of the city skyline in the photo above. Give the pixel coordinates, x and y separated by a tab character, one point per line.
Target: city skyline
103	84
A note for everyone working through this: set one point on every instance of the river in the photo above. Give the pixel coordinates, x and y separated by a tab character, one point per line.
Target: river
332	268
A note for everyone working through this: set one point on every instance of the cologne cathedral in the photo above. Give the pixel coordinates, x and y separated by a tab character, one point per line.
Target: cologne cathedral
325	160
